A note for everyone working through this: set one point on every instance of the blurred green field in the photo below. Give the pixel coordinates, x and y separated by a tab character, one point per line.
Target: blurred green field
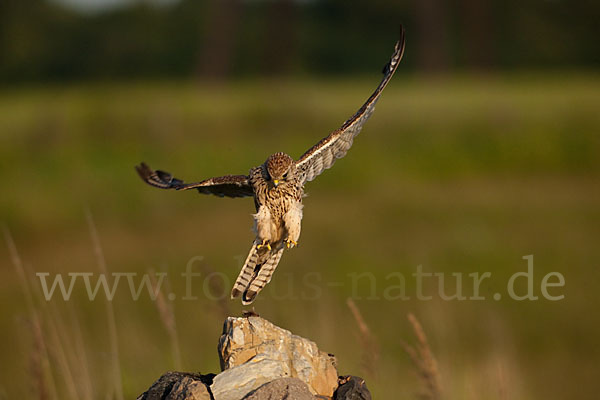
460	174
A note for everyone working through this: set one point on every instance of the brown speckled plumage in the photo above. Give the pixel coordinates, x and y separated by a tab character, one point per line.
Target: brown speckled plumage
277	187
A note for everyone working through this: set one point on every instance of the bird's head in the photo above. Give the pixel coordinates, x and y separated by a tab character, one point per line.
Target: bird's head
280	168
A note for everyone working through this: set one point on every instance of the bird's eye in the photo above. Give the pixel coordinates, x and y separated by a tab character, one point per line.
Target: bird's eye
285	175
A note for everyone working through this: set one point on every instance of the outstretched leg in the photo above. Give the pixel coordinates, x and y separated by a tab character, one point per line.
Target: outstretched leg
293	223
263	226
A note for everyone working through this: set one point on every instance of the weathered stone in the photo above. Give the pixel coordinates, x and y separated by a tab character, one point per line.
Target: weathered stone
283	388
179	386
236	382
352	388
244	339
189	389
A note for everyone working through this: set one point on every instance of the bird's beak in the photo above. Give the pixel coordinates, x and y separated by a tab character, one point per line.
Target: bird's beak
275	182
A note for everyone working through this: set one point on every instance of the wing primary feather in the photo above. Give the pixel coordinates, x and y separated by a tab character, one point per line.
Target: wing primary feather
323	155
222	186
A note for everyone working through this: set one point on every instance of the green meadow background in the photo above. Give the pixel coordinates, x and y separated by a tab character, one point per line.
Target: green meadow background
483	149
459	175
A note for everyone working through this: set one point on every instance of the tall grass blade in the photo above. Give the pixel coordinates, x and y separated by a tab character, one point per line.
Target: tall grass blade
110	312
424	362
35	318
371	353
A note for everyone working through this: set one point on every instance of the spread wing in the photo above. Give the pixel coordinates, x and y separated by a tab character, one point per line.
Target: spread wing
229	185
323	155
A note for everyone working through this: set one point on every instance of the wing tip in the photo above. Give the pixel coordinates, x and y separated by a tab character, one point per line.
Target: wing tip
144	171
159	179
391	66
401	43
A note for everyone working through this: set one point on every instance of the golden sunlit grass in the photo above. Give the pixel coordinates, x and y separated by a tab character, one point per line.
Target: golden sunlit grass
371	352
424	362
116	385
167	317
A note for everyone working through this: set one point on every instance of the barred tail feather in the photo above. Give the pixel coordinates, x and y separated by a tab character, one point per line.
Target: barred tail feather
246	274
263	276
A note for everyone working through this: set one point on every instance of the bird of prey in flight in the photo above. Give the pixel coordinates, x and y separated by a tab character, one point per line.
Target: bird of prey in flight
277	187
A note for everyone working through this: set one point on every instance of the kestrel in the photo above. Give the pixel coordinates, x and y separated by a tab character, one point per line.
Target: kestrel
278	187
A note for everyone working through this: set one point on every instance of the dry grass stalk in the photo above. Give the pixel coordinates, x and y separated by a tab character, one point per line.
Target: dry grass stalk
36	362
44	359
110	312
57	332
424	361
57	350
167	316
371	353
72	362
502	385
82	360
20	269
55	328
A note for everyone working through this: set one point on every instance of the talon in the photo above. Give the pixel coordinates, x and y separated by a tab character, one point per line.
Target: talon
264	243
289	243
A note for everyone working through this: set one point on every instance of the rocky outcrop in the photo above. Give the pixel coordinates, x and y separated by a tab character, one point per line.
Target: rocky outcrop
254	344
179	386
283	388
261	361
352	388
236	383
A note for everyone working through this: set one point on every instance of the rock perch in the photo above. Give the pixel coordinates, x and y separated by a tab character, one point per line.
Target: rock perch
253	351
260	361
